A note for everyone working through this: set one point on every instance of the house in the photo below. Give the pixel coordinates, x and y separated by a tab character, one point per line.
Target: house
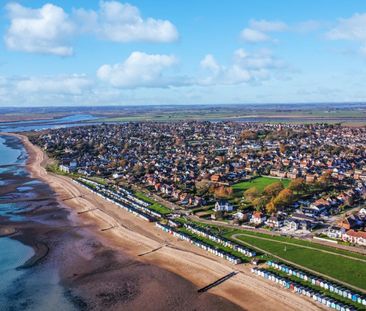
334	232
65	168
258	218
306	222
349	222
355	237
224	206
291	224
309	178
274	222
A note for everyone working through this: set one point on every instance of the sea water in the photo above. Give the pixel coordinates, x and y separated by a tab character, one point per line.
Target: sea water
35	288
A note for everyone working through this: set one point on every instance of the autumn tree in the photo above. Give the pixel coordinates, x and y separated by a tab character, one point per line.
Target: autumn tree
223	192
325	178
273	189
270	207
260	203
282	148
284	198
247	134
297	185
202	187
251	193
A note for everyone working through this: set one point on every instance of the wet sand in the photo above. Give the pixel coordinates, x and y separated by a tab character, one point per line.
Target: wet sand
135	266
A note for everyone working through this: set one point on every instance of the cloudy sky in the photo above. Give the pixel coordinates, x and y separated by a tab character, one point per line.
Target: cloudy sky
91	52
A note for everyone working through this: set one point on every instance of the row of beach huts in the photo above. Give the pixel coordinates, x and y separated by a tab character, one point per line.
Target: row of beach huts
225	242
318	281
209	248
121	201
303	290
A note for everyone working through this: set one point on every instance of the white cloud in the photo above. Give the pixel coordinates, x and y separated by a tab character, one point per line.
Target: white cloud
267	26
252	35
139	70
50	29
120	22
258	30
351	29
44	30
62	84
245	67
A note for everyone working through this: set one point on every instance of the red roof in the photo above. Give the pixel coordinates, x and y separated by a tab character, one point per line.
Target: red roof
356	234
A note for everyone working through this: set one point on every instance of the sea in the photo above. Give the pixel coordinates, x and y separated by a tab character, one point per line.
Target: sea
36	288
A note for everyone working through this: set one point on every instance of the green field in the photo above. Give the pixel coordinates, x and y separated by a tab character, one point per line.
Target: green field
260	183
154	205
333	264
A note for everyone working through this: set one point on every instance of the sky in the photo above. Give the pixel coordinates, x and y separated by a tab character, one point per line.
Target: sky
181	52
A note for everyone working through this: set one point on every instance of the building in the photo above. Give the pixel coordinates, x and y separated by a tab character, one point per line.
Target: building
355	237
258	218
334	232
223	206
274	222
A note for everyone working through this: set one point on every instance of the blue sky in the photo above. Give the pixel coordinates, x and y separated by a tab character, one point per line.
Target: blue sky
182	52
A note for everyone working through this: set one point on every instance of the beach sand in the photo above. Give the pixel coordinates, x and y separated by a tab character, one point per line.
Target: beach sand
152	270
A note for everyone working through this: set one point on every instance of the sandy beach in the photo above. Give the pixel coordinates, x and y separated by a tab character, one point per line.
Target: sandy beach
151	251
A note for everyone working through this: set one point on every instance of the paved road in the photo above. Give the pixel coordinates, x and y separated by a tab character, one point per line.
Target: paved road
234	237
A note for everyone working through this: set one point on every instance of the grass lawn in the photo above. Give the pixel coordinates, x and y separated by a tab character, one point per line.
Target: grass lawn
260	183
154	205
344	269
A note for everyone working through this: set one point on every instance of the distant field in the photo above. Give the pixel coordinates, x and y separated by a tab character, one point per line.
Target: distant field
243	114
311	255
260	183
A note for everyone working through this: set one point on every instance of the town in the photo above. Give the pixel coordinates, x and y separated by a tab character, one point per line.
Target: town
327	293
294	179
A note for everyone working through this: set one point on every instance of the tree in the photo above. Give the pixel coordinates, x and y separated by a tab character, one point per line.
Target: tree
223	192
270	207
260	203
298	185
273	189
284	198
282	148
202	187
251	194
325	178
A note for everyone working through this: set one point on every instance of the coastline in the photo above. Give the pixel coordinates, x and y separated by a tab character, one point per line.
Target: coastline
148	245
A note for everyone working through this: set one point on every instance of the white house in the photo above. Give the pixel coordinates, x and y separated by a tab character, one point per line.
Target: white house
356	237
223	206
257	218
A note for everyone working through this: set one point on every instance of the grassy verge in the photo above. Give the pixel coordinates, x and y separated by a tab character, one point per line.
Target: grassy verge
343	269
154	205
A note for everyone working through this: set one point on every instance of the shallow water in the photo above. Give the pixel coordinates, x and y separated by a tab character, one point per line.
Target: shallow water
35	288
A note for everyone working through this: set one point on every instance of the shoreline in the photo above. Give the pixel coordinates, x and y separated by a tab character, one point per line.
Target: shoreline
136	238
